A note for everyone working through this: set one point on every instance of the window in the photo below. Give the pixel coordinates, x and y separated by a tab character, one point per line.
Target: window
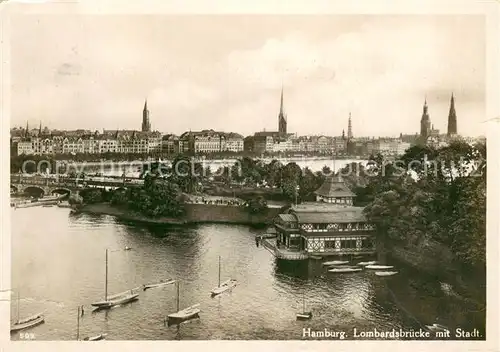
329	244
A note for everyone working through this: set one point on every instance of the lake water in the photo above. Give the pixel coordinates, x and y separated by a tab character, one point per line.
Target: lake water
58	263
130	168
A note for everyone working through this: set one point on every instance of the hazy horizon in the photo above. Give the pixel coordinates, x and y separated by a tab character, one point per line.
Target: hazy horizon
226	72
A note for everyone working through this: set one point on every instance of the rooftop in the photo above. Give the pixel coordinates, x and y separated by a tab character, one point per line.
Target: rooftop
334	187
327	213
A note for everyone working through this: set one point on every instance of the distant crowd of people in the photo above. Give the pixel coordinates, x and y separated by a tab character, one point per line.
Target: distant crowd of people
217	201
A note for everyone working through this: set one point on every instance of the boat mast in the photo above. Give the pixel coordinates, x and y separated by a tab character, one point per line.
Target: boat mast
178	308
78	325
18	298
106	281
219	271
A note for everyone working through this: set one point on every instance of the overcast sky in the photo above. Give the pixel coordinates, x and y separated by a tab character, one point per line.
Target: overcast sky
226	72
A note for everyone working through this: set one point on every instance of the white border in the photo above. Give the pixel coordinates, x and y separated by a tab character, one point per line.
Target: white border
105	7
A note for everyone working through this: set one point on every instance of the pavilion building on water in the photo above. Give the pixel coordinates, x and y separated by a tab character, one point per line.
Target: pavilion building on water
329	226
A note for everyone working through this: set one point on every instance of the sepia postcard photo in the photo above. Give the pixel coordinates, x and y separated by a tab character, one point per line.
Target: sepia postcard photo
307	176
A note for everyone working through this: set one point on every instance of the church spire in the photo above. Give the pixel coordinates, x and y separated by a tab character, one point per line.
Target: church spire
26	132
40	129
349	128
452	118
146	124
282	123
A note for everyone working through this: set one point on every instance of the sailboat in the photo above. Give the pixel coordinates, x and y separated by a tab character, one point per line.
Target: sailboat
28	322
304	315
226	285
90	338
116	299
185	314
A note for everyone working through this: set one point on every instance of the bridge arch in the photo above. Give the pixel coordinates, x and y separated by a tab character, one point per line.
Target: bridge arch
34	190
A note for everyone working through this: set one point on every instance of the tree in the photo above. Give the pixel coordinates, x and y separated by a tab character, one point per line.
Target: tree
91	195
75	199
257	205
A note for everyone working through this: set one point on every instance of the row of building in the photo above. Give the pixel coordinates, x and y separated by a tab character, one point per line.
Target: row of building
44	141
200	142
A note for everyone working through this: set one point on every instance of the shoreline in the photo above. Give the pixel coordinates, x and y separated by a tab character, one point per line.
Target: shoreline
195	214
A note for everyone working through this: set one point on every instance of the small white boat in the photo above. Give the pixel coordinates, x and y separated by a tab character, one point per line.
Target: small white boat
344	270
304	315
224	286
373	262
385	273
116	299
116	302
127	248
437	327
335	262
159	284
90	338
28	322
96	337
380	267
185	314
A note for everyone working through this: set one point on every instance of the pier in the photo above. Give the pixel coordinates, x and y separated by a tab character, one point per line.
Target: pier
282	253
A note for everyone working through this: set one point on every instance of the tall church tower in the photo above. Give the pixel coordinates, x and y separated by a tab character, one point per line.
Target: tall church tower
452	118
349	128
146	124
425	123
282	122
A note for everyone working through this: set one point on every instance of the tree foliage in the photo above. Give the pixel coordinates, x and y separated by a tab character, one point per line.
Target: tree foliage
428	193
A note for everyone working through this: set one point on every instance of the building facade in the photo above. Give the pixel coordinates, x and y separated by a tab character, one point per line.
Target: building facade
328	227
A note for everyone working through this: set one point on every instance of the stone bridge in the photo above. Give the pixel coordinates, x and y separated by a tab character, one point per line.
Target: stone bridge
50	185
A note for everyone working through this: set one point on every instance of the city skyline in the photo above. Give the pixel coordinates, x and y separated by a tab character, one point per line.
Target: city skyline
98	72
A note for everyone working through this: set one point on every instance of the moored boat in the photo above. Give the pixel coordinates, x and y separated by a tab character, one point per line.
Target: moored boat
385	273
335	262
304	315
27	322
116	299
96	337
373	262
344	270
381	267
90	338
224	286
437	327
159	284
116	302
184	314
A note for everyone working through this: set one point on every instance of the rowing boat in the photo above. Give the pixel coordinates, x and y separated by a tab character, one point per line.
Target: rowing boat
385	273
159	284
381	267
344	270
437	327
373	262
96	337
335	262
